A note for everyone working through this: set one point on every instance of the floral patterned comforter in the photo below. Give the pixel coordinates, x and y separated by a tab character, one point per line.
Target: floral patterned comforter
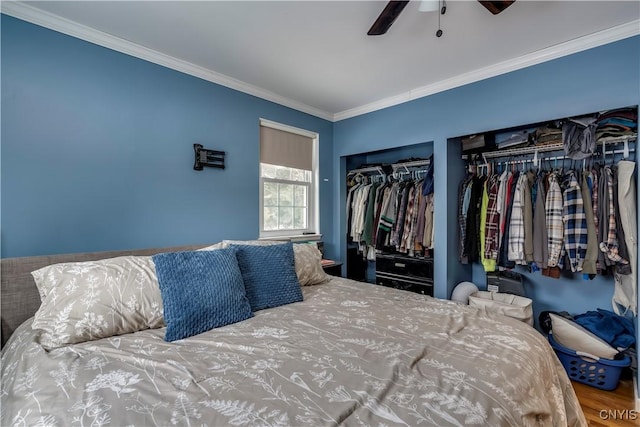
350	354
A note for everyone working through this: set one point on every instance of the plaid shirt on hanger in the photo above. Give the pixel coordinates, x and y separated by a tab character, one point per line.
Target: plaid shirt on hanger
492	224
403	240
553	220
575	223
396	234
516	225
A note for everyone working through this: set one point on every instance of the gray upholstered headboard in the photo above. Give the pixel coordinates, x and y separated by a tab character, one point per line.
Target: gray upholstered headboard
19	298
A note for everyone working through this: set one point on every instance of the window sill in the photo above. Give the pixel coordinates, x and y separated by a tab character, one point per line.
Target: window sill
295	238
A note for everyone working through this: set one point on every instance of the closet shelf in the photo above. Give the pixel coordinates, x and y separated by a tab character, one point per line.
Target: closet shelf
411	164
547	148
369	169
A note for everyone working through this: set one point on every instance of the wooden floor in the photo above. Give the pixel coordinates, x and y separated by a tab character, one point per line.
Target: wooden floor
608	408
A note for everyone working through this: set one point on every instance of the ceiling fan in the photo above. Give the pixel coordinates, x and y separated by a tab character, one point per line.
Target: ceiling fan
393	9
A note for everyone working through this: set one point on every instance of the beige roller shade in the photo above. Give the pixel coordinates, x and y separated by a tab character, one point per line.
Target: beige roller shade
288	149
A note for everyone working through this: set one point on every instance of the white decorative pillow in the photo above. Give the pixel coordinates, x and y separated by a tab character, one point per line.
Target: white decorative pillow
86	301
307	256
218	245
573	336
309	264
225	244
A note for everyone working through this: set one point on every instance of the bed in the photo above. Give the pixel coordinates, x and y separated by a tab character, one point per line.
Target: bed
349	353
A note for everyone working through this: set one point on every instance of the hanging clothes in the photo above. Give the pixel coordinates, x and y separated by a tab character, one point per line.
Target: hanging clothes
515	251
367	231
555	226
471	244
492	224
427	236
502	205
540	235
575	223
403	238
387	216
359	206
521	223
381	193
418	243
396	236
348	205
611	246
409	238
424	232
589	268
503	259
594	181
578	220
626	286
463	208
623	266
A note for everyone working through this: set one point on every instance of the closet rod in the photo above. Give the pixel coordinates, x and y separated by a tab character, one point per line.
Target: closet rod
631	150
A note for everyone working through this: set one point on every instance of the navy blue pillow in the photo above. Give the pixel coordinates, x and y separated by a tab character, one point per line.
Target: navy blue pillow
269	274
201	290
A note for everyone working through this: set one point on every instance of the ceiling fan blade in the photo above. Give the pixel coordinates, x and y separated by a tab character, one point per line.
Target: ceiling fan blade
496	7
389	14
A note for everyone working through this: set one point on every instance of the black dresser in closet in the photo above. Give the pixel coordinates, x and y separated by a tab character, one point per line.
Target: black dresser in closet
405	272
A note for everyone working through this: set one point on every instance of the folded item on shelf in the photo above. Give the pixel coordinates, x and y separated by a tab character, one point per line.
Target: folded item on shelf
513	138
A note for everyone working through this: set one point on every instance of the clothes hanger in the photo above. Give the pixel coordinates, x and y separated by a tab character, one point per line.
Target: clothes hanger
539	162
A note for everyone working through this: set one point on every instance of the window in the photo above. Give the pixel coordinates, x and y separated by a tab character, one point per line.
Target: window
288	180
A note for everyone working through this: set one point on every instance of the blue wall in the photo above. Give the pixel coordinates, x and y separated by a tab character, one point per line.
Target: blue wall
97	150
598	79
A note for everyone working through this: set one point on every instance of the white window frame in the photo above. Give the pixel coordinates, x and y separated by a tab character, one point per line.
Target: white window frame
313	208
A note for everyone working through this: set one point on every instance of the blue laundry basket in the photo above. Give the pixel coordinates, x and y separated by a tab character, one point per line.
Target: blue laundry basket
588	369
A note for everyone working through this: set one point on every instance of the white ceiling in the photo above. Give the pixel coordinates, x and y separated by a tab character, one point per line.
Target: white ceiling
316	56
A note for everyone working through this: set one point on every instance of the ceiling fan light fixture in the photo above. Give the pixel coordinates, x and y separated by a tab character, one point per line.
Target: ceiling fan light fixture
429	5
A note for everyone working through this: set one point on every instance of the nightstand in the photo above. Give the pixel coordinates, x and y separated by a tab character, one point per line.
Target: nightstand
331	267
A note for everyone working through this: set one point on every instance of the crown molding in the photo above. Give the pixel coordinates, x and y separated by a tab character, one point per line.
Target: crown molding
590	41
57	23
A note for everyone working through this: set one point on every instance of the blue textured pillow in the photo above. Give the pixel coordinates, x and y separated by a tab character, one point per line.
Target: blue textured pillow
269	275
201	290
